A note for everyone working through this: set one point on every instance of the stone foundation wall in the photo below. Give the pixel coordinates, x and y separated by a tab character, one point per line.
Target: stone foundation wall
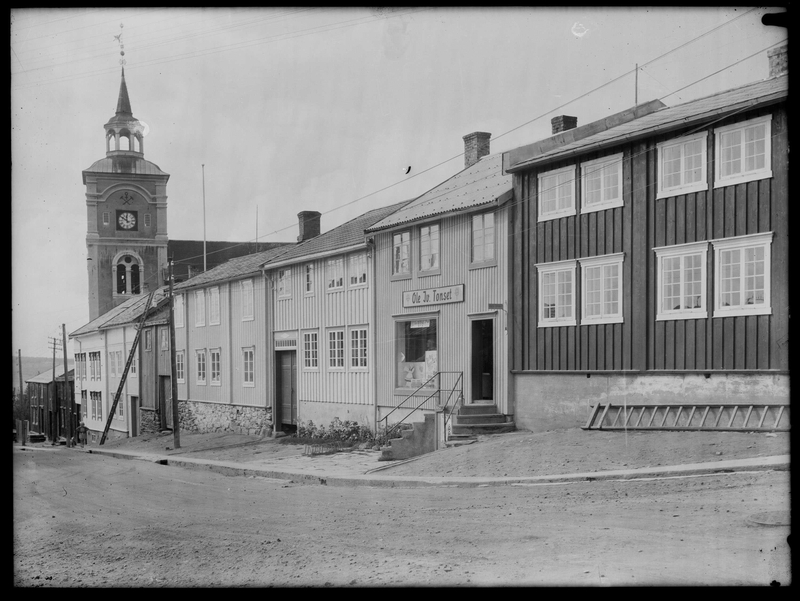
149	421
197	416
93	436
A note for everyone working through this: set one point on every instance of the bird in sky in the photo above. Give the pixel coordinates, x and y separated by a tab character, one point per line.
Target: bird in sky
407	170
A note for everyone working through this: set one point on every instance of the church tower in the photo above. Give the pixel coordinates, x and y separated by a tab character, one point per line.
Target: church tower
126	206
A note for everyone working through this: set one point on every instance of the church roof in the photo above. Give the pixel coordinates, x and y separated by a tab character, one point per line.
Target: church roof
125	164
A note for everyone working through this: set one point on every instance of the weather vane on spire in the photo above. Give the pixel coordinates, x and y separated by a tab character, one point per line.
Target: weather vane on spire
121	46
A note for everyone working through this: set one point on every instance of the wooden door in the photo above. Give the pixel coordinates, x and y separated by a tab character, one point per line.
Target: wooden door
287	387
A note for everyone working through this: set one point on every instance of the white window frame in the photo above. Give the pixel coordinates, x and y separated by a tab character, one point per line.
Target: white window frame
200	366
743	176
247	300
284	284
148	339
336	350
132	371
357	269
401	241
311	350
215	381
616	259
106	218
213	306
249	367
359	348
147	220
308	283
430	236
485	258
742	243
179	311
681	251
557	267
544	185
199	308
604	166
164	339
112	364
180	367
683	187
334	274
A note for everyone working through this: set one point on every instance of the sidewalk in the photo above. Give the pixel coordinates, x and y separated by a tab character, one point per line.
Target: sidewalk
239	455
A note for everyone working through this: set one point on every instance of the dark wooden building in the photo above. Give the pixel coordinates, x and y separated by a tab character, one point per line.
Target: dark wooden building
50	401
650	257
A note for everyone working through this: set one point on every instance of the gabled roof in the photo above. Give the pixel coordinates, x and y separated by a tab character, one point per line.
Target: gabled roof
480	184
47	376
345	236
128	165
128	312
695	112
240	267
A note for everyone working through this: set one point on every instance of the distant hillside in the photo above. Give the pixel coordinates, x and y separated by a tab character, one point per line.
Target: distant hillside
33	366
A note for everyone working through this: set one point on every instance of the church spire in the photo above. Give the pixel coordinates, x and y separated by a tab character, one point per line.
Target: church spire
124	102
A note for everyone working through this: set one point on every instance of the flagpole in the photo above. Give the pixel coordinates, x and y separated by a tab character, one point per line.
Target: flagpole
204	216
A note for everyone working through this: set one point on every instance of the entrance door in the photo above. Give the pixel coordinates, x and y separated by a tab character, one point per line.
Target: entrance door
165	395
134	413
482	363
287	387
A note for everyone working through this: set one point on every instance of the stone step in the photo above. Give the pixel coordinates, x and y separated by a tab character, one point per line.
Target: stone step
489	418
487	408
484	428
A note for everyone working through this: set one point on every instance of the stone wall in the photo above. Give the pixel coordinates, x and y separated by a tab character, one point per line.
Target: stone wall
214	417
149	421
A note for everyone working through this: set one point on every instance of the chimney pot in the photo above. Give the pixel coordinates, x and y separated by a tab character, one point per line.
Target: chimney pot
778	61
563	123
476	145
309	224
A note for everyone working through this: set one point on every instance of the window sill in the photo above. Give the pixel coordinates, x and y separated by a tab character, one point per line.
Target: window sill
681	316
333	290
400	276
557	215
483	264
428	273
556	324
248	385
682	190
602	206
743	312
601	321
742	179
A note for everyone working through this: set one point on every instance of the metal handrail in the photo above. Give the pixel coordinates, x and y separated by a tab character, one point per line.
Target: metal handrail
460	399
385	418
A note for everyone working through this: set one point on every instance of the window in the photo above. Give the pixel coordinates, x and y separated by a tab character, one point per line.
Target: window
213	306
201	366
199	307
358	348
358	269
336	349
180	370
601	289
310	351
147	220
247	300
84	406
284	283
94	364
112	363
682	165
120	412
742	275
743	152
248	359
557	294
417	360
334	273
215	366
164	339
80	366
401	253
483	238
429	248
179	321
106	218
309	283
557	193
97	404
148	340
601	183
132	371
681	281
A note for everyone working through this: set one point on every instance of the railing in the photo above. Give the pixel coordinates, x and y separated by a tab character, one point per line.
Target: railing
437	389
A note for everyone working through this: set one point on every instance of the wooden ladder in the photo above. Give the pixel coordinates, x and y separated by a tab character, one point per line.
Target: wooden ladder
767	417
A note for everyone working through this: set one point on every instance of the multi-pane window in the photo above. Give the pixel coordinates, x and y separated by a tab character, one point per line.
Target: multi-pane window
429	247
179	310
284	283
106	218
743	152
94	365
132	371
120	411
180	369
213	306
401	253
557	294
147	220
334	273
336	349
148	340
682	165
742	275
96	399
416	352
601	289
248	366
84	406
80	366
309	279
199	307
681	281
247	300
112	364
601	183
164	339
482	238
358	347
200	362
557	193
310	350
357	269
214	357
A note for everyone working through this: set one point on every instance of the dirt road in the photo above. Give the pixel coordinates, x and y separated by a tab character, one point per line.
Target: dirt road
138	524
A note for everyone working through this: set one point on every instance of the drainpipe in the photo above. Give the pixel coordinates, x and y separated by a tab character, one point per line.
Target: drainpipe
371	255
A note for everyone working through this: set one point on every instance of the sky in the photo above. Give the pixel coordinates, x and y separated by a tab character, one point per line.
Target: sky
260	113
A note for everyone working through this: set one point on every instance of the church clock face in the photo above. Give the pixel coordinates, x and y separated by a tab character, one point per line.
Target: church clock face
127	221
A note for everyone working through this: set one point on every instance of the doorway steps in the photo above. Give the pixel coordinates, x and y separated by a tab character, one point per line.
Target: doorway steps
479	418
417	440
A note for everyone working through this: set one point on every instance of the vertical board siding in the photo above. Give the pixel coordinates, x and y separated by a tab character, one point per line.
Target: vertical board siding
641	342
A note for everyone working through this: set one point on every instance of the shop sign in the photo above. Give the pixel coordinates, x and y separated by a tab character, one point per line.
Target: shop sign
433	296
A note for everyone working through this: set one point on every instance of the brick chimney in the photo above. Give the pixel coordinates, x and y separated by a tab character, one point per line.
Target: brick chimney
778	61
476	145
563	123
309	225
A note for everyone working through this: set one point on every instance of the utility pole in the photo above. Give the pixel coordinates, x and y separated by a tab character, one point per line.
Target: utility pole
636	87
204	219
176	423
53	406
66	395
19	360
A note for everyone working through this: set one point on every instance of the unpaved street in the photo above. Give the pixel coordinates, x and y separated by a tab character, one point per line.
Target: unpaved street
133	523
